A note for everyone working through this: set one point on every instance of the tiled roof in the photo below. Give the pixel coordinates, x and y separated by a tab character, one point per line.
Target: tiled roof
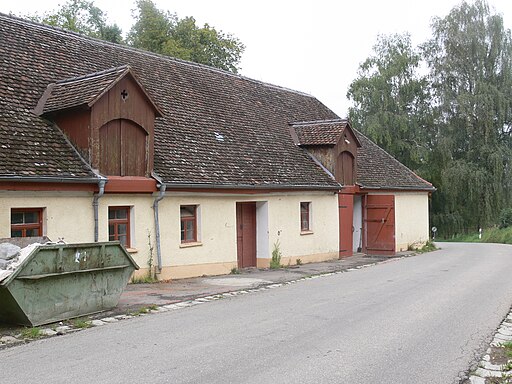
78	91
218	129
377	169
319	133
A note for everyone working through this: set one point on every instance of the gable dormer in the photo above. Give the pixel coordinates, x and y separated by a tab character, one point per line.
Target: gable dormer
109	117
346	155
331	142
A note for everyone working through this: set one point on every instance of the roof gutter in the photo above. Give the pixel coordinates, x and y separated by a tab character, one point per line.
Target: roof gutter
254	187
45	179
97	196
385	188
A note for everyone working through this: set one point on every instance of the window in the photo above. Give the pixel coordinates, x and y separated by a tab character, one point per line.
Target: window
188	216
119	225
305	216
26	222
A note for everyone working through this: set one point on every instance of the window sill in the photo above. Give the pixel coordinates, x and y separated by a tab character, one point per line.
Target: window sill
132	250
306	233
189	245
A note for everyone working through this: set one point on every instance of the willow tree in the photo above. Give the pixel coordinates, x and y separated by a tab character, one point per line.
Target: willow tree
391	100
470	62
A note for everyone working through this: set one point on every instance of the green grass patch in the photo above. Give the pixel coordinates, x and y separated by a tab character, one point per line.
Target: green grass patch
31	333
80	323
144	310
508	348
490	235
428	247
144	280
497	235
462	238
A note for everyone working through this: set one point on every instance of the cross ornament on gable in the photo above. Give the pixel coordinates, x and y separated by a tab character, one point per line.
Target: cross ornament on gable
124	95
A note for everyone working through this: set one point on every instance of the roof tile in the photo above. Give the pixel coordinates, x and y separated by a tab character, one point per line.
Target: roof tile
199	104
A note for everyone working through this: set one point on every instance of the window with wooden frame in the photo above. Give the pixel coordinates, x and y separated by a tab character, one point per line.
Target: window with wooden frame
119	225
26	222
188	218
305	216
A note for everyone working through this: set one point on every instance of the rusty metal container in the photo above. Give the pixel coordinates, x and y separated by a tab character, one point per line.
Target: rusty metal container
62	281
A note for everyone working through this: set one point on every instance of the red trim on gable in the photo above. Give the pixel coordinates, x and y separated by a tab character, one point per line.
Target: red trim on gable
351	189
34	186
130	184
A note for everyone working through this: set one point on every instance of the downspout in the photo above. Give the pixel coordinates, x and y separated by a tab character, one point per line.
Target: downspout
157	224
101	186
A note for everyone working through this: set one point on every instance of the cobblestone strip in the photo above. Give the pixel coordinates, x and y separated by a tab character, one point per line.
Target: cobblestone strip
6	341
488	373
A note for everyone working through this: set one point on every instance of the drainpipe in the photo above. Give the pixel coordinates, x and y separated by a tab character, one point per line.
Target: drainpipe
157	225
101	186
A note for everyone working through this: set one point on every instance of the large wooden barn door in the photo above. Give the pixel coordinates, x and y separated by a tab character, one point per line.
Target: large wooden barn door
246	234
379	221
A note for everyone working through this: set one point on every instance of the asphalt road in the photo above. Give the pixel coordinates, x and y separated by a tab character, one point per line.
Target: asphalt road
414	320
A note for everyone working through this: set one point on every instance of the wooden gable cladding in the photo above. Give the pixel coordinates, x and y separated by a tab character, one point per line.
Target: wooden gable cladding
333	143
76	124
108	117
122	122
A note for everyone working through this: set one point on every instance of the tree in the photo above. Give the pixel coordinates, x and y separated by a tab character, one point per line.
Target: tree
391	100
152	28
453	124
470	62
163	32
204	45
83	17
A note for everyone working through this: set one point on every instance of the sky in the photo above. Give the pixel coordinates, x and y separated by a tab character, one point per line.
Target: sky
309	46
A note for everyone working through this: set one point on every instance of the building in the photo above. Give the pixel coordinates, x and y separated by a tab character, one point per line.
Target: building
197	169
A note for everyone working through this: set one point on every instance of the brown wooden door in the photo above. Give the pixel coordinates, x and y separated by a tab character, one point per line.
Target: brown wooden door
380	224
346	214
246	234
123	149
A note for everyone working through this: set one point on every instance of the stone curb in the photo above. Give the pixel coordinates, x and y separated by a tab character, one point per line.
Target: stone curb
485	368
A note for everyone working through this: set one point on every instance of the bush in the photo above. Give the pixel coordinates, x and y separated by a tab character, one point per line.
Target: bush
506	218
275	262
497	235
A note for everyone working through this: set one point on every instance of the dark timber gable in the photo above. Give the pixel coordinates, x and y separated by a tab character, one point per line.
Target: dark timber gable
109	118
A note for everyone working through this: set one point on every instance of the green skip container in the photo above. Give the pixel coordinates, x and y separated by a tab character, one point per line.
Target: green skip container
62	281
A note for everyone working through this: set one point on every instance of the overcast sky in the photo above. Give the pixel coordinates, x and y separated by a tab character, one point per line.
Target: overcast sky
310	46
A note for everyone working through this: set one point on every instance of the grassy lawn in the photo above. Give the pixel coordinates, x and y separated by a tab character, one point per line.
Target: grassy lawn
491	235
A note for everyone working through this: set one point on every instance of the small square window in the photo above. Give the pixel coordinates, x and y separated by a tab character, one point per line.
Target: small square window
119	225
188	219
26	222
305	216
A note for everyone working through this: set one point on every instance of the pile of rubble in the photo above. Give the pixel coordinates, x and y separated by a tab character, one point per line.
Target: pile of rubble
11	257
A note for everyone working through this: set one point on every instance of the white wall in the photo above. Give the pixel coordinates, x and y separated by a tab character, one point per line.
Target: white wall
411	219
262	246
277	218
69	215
